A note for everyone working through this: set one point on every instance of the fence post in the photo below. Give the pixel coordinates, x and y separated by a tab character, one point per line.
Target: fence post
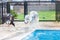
58	10
2	13
8	7
25	8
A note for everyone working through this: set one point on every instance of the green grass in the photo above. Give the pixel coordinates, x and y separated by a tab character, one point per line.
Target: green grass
43	15
20	16
47	15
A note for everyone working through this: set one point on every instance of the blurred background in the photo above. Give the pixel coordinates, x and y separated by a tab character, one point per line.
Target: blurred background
47	9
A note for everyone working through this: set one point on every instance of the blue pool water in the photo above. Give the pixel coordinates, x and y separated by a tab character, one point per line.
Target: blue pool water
43	35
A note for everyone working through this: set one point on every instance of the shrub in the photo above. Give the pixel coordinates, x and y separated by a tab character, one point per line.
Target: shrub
13	13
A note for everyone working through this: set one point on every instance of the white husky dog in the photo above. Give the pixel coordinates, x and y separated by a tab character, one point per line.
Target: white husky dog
34	16
32	20
26	19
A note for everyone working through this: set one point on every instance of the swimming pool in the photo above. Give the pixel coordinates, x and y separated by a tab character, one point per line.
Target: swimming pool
43	35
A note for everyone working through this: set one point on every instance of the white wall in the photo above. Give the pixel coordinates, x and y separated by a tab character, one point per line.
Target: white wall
11	7
17	0
45	0
32	0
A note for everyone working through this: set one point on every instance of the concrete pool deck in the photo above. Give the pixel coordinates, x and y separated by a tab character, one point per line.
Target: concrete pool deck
21	30
49	25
